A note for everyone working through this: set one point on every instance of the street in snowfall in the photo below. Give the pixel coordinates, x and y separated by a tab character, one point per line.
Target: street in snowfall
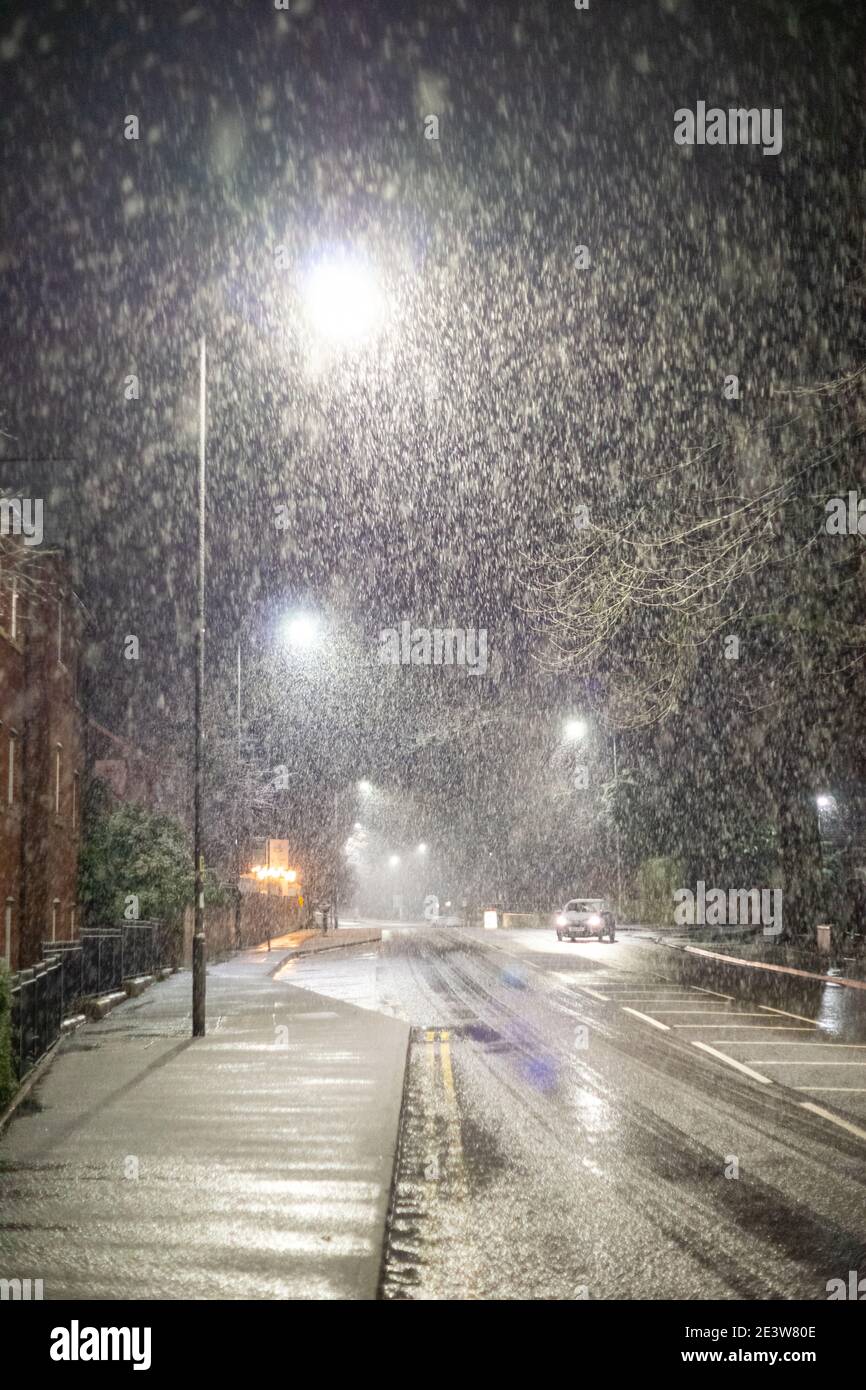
432	663
563	1138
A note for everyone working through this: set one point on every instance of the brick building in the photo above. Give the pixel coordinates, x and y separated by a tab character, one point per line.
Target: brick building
130	775
41	750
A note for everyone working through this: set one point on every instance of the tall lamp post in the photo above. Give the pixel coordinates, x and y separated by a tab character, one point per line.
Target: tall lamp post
575	731
238	795
616	833
199	965
345	306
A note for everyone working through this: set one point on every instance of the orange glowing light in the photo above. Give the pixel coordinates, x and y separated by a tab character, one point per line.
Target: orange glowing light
262	871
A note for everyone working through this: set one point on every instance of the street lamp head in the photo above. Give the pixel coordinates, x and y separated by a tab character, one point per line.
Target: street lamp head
394	861
365	787
300	630
824	802
343	300
422	848
575	729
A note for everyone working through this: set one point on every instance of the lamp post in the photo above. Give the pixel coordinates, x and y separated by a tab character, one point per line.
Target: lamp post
238	795
345	306
199	965
616	834
574	731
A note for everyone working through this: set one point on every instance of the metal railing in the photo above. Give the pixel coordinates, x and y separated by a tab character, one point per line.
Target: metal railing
91	965
37	1013
67	954
140	942
72	971
103	957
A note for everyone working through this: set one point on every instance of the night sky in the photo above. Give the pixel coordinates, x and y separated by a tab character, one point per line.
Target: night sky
508	388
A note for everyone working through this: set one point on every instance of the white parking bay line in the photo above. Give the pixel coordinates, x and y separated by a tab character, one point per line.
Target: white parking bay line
834	1119
768	1062
770	1027
848	1090
658	988
722	1013
655	994
593	994
647	1003
765	1042
785	1013
732	1062
715	992
621	992
646	1018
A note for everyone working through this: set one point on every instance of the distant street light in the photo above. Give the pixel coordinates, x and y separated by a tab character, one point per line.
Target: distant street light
824	803
575	729
422	848
394	861
365	787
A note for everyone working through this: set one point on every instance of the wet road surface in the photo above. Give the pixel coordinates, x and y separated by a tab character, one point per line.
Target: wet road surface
614	1121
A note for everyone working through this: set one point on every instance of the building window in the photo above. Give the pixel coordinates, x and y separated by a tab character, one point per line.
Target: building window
76	786
7	932
55	911
10	770
58	772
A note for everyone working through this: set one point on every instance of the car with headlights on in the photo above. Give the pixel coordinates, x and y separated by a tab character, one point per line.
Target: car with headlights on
585	917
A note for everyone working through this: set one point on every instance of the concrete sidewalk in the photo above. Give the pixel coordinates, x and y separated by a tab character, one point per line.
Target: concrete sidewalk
254	1163
302	943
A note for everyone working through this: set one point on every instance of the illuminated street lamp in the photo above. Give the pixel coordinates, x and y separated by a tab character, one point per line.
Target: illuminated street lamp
422	848
343	300
394	861
575	730
300	630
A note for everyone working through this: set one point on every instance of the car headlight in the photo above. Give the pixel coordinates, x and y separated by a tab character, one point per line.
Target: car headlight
594	920
561	921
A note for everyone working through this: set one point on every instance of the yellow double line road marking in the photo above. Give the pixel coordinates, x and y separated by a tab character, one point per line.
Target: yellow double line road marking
451	1182
438	1042
443	1037
439	1047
